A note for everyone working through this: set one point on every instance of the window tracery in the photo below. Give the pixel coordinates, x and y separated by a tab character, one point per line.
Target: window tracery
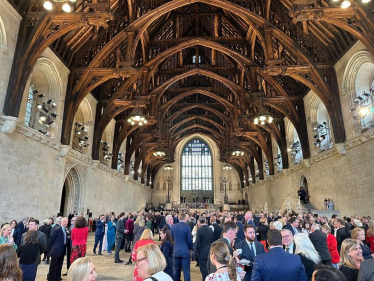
196	166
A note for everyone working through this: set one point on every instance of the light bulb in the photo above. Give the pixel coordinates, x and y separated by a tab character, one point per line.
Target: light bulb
129	120
365	1
43	118
48	5
346	4
66	8
363	112
140	123
256	121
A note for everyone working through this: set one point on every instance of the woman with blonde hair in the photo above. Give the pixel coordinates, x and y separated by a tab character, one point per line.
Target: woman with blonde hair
307	253
350	259
82	270
370	235
9	269
150	263
332	245
226	265
6	236
359	234
145	239
139	227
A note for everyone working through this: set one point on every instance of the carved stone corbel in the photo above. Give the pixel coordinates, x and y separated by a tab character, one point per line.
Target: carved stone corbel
64	150
340	149
9	124
306	163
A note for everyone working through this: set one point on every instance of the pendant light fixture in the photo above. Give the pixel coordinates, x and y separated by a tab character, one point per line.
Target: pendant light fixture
263	116
227	167
137	118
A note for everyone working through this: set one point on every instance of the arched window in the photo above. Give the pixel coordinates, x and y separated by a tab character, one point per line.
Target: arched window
196	166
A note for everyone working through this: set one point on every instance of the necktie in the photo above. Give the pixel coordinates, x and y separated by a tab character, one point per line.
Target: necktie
287	250
64	231
253	251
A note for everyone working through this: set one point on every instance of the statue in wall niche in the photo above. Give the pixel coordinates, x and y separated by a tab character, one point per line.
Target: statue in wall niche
221	187
158	186
170	186
164	187
230	186
238	186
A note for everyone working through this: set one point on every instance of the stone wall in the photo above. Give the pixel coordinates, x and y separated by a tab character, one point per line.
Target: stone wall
9	26
33	171
344	174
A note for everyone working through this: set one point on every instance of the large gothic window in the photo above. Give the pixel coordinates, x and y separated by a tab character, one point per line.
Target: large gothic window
196	166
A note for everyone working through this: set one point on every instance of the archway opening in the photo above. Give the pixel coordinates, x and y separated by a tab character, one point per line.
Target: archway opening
70	196
197	172
304	184
63	201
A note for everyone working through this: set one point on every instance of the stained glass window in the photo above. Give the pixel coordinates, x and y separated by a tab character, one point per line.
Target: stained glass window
196	166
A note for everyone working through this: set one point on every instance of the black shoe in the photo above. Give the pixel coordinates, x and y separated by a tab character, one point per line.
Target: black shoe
119	261
65	274
129	262
197	265
47	262
94	251
100	254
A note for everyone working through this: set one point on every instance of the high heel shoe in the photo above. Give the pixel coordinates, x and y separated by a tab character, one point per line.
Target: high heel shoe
129	262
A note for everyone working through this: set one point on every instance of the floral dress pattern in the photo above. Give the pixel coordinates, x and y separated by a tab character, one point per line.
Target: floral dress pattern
220	277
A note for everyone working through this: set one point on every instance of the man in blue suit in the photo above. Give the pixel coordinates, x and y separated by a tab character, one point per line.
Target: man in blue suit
250	249
57	251
99	233
277	264
293	225
182	236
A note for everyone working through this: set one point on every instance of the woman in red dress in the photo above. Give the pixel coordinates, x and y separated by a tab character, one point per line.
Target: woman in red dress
146	238
370	236
79	235
332	245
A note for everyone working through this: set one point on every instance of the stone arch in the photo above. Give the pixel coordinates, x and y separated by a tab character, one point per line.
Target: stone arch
303	182
3	37
292	137
48	80
72	191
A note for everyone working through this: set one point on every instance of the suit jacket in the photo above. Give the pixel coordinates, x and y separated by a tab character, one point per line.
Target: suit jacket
319	240
366	252
278	265
211	268
217	231
43	245
204	238
263	232
366	272
100	228
182	240
21	227
120	230
17	235
249	255
240	234
167	249
56	242
341	235
290	228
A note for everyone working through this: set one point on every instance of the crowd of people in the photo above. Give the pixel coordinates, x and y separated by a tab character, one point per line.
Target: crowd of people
225	246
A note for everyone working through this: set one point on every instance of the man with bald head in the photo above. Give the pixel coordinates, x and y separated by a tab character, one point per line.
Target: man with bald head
57	251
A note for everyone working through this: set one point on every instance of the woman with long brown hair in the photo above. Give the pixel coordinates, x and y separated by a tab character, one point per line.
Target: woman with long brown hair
79	235
9	269
28	253
226	265
166	247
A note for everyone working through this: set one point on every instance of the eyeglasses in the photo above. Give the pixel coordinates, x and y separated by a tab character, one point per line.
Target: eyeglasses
234	231
139	260
286	236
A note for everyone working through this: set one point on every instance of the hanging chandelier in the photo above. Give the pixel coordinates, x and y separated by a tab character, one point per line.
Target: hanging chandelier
159	153
168	167
227	167
263	116
48	5
237	152
137	118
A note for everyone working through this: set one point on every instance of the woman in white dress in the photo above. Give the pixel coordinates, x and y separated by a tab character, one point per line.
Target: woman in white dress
226	265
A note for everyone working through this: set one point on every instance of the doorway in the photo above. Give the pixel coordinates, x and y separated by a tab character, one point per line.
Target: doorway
62	204
304	184
70	196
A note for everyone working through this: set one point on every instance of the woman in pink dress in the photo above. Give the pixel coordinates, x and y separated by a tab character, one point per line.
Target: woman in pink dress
146	238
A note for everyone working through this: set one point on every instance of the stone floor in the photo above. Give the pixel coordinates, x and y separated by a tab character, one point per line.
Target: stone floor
106	268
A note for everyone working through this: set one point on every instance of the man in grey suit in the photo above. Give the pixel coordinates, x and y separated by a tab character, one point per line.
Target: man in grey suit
33	226
120	232
250	249
366	272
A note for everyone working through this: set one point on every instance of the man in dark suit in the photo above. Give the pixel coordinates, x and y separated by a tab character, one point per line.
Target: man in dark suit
240	235
319	240
217	229
341	233
182	246
190	222
250	249
248	218
293	225
22	226
120	232
57	250
277	264
228	235
33	226
169	221
204	238
366	272
99	233
287	240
